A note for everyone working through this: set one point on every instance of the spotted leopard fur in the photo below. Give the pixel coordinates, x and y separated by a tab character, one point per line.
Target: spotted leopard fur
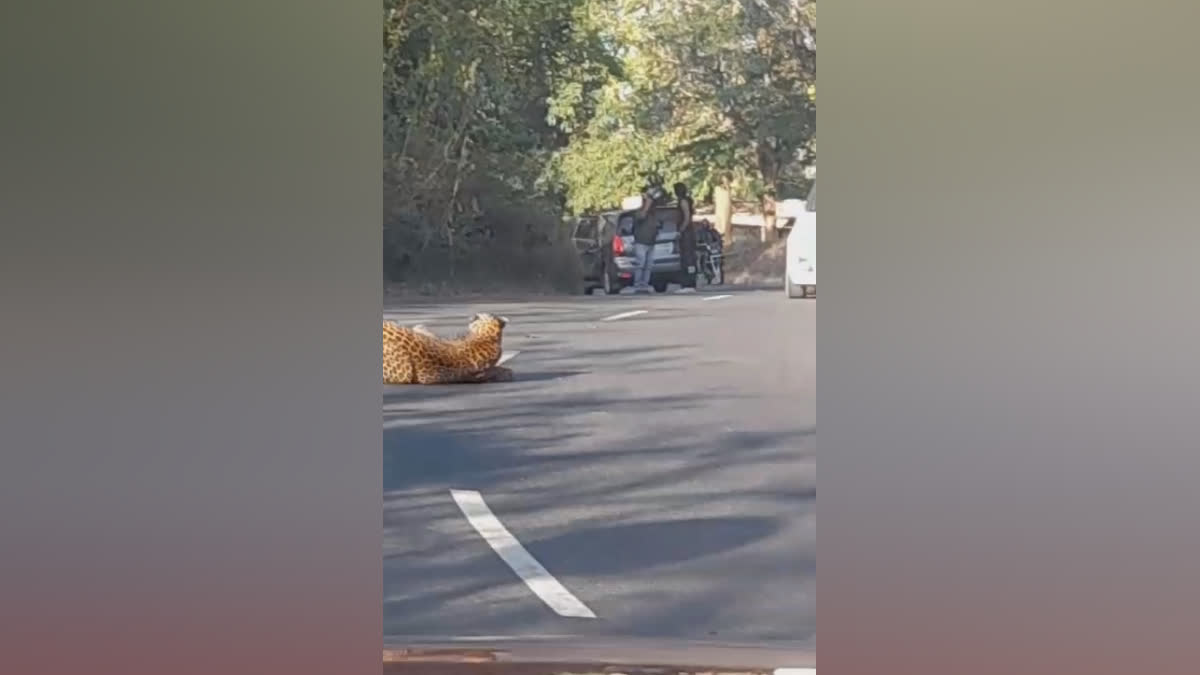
417	356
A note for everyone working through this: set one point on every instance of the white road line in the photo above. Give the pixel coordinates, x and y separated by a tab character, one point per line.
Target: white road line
795	671
514	554
717	297
624	315
507	356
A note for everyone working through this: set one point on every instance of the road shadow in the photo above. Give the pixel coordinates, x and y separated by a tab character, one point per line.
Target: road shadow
540	361
642	499
546	375
460	588
619	492
618	550
424	392
474	442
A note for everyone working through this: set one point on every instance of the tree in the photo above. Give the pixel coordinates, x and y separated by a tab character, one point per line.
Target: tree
501	114
468	86
718	94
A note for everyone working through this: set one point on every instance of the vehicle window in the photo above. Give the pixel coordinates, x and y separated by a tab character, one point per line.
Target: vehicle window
626	226
668	219
607	225
588	228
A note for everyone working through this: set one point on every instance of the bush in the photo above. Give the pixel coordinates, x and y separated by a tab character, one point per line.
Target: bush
494	239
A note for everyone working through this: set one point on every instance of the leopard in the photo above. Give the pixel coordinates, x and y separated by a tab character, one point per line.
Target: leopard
415	355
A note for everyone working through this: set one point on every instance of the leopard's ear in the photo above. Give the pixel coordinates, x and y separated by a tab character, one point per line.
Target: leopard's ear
503	321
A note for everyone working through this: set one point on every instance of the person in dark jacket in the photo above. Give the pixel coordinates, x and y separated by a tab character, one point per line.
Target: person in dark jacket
687	234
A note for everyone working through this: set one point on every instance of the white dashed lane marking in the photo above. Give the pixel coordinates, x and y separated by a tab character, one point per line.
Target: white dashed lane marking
717	297
514	554
624	315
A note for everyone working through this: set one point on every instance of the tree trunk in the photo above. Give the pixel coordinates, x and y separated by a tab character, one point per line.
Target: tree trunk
769	233
768	168
723	206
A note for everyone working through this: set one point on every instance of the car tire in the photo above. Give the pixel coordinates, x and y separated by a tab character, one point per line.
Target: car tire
660	287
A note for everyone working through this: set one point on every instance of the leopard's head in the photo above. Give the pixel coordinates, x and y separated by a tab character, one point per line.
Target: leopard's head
487	326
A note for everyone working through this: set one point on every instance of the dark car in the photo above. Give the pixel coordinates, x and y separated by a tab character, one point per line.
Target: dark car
605	244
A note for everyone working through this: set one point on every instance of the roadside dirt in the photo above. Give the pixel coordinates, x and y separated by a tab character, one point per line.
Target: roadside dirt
750	262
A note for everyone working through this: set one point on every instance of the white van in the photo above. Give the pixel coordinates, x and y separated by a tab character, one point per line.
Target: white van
800	277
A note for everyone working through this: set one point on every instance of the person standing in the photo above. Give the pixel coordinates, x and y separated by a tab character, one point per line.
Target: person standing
645	235
687	235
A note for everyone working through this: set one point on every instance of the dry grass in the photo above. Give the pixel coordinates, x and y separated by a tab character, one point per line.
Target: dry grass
751	262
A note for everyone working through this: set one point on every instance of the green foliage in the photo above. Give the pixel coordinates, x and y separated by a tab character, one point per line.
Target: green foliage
501	114
711	91
469	87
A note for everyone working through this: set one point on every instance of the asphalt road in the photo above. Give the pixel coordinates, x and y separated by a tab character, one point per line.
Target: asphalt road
660	467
